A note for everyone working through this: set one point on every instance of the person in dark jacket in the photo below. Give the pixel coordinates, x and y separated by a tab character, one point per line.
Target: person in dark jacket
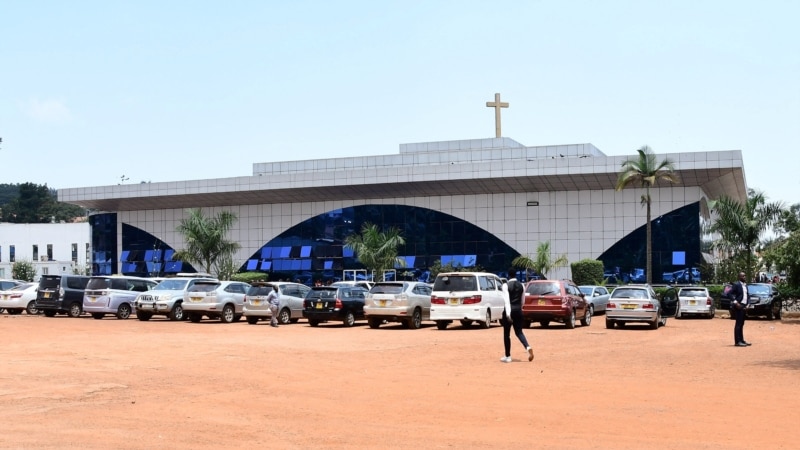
738	309
512	316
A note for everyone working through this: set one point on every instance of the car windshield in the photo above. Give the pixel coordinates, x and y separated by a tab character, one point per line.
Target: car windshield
628	293
387	289
550	288
455	283
693	293
758	289
172	285
586	290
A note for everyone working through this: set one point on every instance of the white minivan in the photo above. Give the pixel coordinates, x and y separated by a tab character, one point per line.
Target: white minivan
467	297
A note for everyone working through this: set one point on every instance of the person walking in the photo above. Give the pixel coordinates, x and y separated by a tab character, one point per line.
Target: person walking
512	316
739	310
274	300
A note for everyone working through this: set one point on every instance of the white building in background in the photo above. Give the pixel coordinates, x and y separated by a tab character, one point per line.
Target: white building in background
53	248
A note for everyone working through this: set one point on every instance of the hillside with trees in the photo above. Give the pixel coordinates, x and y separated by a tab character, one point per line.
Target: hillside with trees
33	203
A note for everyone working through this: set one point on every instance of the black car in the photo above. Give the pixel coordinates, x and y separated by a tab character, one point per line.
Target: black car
61	294
763	299
324	303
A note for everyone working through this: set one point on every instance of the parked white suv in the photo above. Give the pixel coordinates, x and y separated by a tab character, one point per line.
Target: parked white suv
113	295
166	298
290	308
215	299
467	297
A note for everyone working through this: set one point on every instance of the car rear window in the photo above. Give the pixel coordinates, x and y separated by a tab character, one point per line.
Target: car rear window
387	289
628	293
259	291
172	285
98	283
693	293
322	293
551	288
456	283
203	287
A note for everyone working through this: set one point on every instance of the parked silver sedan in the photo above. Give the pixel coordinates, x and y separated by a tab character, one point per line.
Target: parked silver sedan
215	299
407	302
637	303
695	300
290	308
596	296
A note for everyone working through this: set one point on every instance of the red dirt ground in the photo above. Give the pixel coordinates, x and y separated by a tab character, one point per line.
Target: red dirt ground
111	384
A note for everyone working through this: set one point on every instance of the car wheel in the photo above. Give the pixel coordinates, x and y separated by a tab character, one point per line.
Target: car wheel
313	322
678	311
442	324
609	324
544	323
587	319
488	322
143	316
124	311
569	322
415	323
374	322
774	312
97	316
252	320
712	313
349	319
654	324
465	323
284	316
49	313
195	317
31	308
228	313
75	310
177	312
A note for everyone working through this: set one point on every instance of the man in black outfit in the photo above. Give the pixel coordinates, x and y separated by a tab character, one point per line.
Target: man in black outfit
738	308
512	316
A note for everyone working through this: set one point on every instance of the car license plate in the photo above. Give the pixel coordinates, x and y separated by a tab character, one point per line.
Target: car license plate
197	299
453	301
319	306
542	302
256	302
381	302
92	299
628	306
46	295
5	296
692	302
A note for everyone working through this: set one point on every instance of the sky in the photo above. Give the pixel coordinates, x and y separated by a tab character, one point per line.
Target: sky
96	93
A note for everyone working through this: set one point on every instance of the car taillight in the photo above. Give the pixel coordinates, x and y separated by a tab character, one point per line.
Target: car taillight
610	305
471	300
648	306
437	300
709	301
16	295
338	304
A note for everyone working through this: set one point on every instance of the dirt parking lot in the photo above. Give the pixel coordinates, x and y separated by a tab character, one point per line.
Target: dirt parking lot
112	384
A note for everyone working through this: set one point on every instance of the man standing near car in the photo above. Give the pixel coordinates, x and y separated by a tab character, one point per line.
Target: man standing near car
739	309
512	316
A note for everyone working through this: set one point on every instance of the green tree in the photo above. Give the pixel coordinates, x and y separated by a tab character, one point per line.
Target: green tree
543	263
205	237
741	225
23	270
31	205
376	249
646	171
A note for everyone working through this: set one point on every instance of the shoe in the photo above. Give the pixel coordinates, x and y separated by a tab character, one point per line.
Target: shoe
746	343
741	344
505	359
530	354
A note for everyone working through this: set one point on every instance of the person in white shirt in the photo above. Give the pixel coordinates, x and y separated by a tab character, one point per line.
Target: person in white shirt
512	316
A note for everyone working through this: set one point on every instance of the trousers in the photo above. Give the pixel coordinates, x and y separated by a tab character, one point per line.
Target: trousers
516	321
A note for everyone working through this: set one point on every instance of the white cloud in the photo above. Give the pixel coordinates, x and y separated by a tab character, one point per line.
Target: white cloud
49	110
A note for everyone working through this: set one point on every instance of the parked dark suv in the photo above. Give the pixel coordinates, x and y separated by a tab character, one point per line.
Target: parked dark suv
61	294
324	303
763	300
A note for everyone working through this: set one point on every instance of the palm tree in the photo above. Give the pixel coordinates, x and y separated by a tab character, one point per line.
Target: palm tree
646	171
205	238
740	225
376	249
543	263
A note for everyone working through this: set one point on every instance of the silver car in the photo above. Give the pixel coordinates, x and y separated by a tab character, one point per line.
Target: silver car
221	300
636	303
694	300
290	308
408	302
596	296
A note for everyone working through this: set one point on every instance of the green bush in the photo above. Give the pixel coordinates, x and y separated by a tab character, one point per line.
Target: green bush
587	271
249	277
23	270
